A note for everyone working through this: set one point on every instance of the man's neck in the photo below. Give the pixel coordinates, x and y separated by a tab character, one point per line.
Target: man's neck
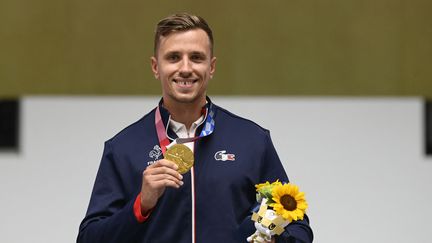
186	113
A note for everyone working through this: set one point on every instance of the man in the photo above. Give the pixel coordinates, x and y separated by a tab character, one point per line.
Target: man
139	196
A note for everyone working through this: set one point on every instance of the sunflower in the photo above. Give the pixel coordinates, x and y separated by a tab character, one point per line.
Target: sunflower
265	190
289	202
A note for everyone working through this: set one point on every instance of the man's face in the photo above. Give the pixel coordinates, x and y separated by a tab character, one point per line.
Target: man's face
184	65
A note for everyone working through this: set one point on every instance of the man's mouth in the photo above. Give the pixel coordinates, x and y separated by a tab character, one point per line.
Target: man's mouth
185	82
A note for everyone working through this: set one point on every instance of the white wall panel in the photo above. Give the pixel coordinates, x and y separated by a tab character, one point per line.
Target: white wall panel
359	160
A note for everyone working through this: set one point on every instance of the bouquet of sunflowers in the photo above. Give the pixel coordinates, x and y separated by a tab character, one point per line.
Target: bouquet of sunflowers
281	203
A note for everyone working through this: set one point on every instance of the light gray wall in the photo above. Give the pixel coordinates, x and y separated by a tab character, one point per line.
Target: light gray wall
359	160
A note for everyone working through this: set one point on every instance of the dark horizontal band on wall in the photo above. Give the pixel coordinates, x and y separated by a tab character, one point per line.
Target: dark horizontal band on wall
9	124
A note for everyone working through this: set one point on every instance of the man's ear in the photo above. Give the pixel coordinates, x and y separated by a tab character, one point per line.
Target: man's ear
154	67
212	66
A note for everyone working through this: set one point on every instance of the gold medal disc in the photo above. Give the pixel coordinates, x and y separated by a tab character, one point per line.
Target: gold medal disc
182	156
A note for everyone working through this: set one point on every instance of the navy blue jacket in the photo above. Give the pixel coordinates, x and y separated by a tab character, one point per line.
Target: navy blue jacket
224	190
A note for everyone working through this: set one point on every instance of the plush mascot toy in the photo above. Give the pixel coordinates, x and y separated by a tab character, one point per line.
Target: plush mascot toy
267	224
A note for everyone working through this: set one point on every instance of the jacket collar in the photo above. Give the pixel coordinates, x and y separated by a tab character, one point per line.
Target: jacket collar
165	115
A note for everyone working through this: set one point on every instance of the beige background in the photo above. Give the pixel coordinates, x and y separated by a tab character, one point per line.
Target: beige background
274	47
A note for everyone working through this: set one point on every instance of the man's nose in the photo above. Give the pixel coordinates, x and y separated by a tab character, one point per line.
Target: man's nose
185	67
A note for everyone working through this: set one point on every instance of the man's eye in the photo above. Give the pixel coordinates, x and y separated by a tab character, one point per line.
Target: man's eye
173	57
197	58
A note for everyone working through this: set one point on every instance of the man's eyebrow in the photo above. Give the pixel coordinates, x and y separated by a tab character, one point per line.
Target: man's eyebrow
172	53
199	53
179	53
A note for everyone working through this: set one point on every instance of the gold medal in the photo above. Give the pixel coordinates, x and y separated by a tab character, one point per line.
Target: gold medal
182	156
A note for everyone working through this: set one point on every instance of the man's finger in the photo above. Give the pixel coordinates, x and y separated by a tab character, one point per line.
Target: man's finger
162	171
164	162
166	183
164	177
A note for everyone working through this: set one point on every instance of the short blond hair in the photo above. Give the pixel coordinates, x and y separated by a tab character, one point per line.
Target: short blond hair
181	22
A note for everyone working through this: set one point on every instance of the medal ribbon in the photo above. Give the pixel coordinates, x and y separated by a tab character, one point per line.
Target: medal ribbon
164	141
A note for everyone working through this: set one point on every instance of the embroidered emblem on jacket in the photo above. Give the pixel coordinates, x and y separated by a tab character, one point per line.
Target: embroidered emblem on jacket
223	156
154	154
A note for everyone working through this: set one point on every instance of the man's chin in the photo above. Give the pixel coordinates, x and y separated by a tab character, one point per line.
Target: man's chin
188	99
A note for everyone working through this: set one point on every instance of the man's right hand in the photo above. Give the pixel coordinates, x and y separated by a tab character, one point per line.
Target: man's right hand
156	178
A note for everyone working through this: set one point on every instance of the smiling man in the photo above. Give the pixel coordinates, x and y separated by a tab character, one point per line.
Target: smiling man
186	171
184	63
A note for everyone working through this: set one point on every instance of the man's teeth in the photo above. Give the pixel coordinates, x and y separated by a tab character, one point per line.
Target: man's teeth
184	82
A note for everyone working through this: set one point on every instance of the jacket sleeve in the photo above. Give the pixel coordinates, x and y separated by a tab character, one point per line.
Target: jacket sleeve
110	216
297	232
271	170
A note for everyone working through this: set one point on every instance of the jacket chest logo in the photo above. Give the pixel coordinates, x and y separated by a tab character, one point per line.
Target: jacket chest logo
223	156
155	154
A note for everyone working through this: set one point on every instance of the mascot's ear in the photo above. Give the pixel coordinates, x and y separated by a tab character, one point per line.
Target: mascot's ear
261	212
263	208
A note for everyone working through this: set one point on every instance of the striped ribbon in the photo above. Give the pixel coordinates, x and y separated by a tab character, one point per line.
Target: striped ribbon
164	141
